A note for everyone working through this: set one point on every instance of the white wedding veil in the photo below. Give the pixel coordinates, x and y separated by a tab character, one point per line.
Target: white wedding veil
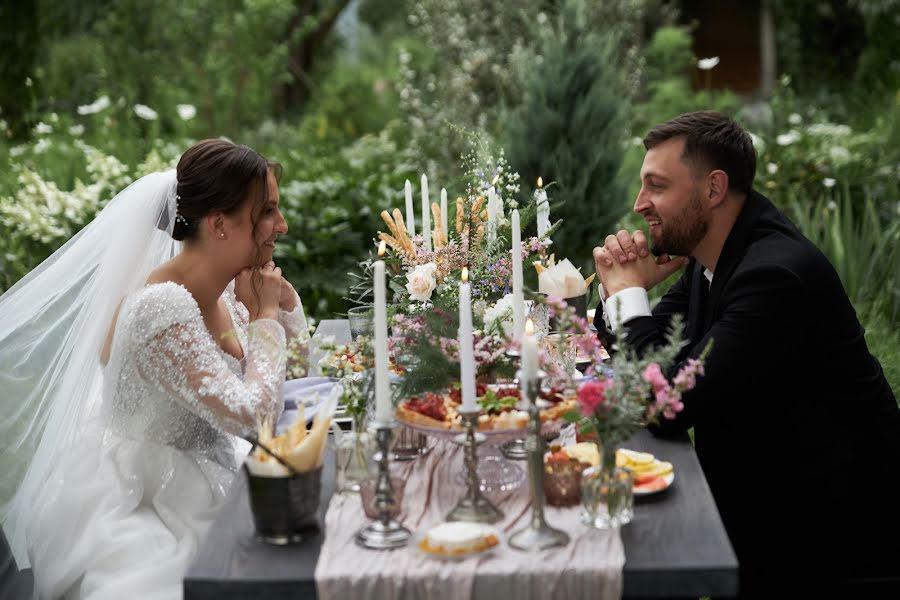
53	325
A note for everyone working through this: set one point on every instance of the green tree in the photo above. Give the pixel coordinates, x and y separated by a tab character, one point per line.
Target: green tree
19	37
570	127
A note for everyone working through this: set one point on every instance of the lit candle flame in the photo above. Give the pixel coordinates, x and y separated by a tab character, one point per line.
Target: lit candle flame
540	182
465	274
529	327
381	248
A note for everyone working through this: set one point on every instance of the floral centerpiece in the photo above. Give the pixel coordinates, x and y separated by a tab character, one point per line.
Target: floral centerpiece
424	272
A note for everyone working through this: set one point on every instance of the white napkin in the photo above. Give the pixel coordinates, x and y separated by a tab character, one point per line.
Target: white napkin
308	391
562	280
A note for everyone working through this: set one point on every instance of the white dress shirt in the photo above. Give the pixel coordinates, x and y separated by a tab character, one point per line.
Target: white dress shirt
628	304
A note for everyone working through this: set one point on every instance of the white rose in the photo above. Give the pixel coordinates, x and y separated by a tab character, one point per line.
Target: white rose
421	282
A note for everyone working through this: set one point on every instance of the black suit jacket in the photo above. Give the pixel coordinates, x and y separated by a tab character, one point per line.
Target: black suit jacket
794	423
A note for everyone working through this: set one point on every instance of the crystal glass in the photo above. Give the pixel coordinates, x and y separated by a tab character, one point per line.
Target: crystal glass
562	482
562	350
352	455
408	444
362	321
539	313
607	497
367	494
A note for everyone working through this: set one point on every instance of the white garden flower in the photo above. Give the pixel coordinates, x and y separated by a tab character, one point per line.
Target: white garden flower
795	119
839	154
17	151
100	104
832	205
757	141
502	311
186	111
705	64
76	130
43	129
42	146
772	168
421	282
829	129
828	182
786	139
145	112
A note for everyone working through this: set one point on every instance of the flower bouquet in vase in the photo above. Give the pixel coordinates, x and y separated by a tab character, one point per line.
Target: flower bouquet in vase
628	394
353	363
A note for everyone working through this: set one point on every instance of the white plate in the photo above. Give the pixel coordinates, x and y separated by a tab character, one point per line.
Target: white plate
667	478
487	530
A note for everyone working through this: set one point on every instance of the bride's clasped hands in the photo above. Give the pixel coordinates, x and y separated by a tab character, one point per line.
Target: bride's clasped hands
263	291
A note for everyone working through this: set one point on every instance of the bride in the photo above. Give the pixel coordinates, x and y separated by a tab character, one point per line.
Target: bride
131	365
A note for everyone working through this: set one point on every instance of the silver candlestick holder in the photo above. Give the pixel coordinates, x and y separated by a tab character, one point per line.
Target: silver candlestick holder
473	506
537	535
385	532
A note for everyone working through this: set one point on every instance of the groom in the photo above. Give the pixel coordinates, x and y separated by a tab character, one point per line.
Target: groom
795	426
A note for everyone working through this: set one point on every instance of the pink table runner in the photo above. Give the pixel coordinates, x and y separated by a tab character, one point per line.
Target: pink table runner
590	566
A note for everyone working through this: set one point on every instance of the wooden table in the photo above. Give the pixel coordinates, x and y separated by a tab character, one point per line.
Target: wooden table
676	546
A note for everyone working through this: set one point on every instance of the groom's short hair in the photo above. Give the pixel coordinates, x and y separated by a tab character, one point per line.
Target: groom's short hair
711	141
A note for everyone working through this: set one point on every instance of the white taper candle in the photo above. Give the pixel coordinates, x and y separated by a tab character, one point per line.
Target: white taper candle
426	213
383	405
410	213
529	354
517	283
466	347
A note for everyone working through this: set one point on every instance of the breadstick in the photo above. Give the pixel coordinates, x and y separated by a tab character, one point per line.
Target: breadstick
440	236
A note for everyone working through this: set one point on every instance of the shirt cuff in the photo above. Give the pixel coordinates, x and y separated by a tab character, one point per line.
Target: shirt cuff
626	305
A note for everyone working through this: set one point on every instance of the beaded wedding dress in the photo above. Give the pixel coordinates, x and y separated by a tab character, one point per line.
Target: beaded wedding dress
122	513
110	474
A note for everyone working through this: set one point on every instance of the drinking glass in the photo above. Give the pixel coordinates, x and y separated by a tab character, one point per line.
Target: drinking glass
362	321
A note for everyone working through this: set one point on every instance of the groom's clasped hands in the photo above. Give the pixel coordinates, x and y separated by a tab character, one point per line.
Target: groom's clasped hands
624	260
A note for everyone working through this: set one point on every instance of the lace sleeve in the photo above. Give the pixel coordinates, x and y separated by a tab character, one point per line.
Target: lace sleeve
177	354
295	328
297	332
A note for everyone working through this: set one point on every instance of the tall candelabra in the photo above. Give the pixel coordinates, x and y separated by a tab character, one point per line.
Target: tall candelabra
537	535
473	506
385	532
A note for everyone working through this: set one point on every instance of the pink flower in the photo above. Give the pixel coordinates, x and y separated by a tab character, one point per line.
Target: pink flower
590	396
687	376
654	376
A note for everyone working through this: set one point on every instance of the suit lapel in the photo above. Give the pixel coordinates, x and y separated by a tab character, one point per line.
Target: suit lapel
732	253
697	304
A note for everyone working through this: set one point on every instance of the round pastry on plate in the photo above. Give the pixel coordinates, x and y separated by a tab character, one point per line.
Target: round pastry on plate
457	540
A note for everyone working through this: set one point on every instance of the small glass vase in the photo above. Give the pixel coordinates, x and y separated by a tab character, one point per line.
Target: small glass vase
607	497
353	451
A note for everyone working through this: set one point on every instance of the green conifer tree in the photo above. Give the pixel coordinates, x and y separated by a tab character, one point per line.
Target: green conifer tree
570	127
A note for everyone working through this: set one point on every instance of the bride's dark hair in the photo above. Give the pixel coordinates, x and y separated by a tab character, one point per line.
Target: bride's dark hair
217	175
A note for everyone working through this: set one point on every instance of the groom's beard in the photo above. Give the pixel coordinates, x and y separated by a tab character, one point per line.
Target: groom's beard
680	234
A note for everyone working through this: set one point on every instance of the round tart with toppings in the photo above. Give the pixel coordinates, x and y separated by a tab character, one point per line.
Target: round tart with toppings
458	539
498	405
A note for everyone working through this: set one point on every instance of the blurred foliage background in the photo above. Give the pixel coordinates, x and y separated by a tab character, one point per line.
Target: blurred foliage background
353	97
